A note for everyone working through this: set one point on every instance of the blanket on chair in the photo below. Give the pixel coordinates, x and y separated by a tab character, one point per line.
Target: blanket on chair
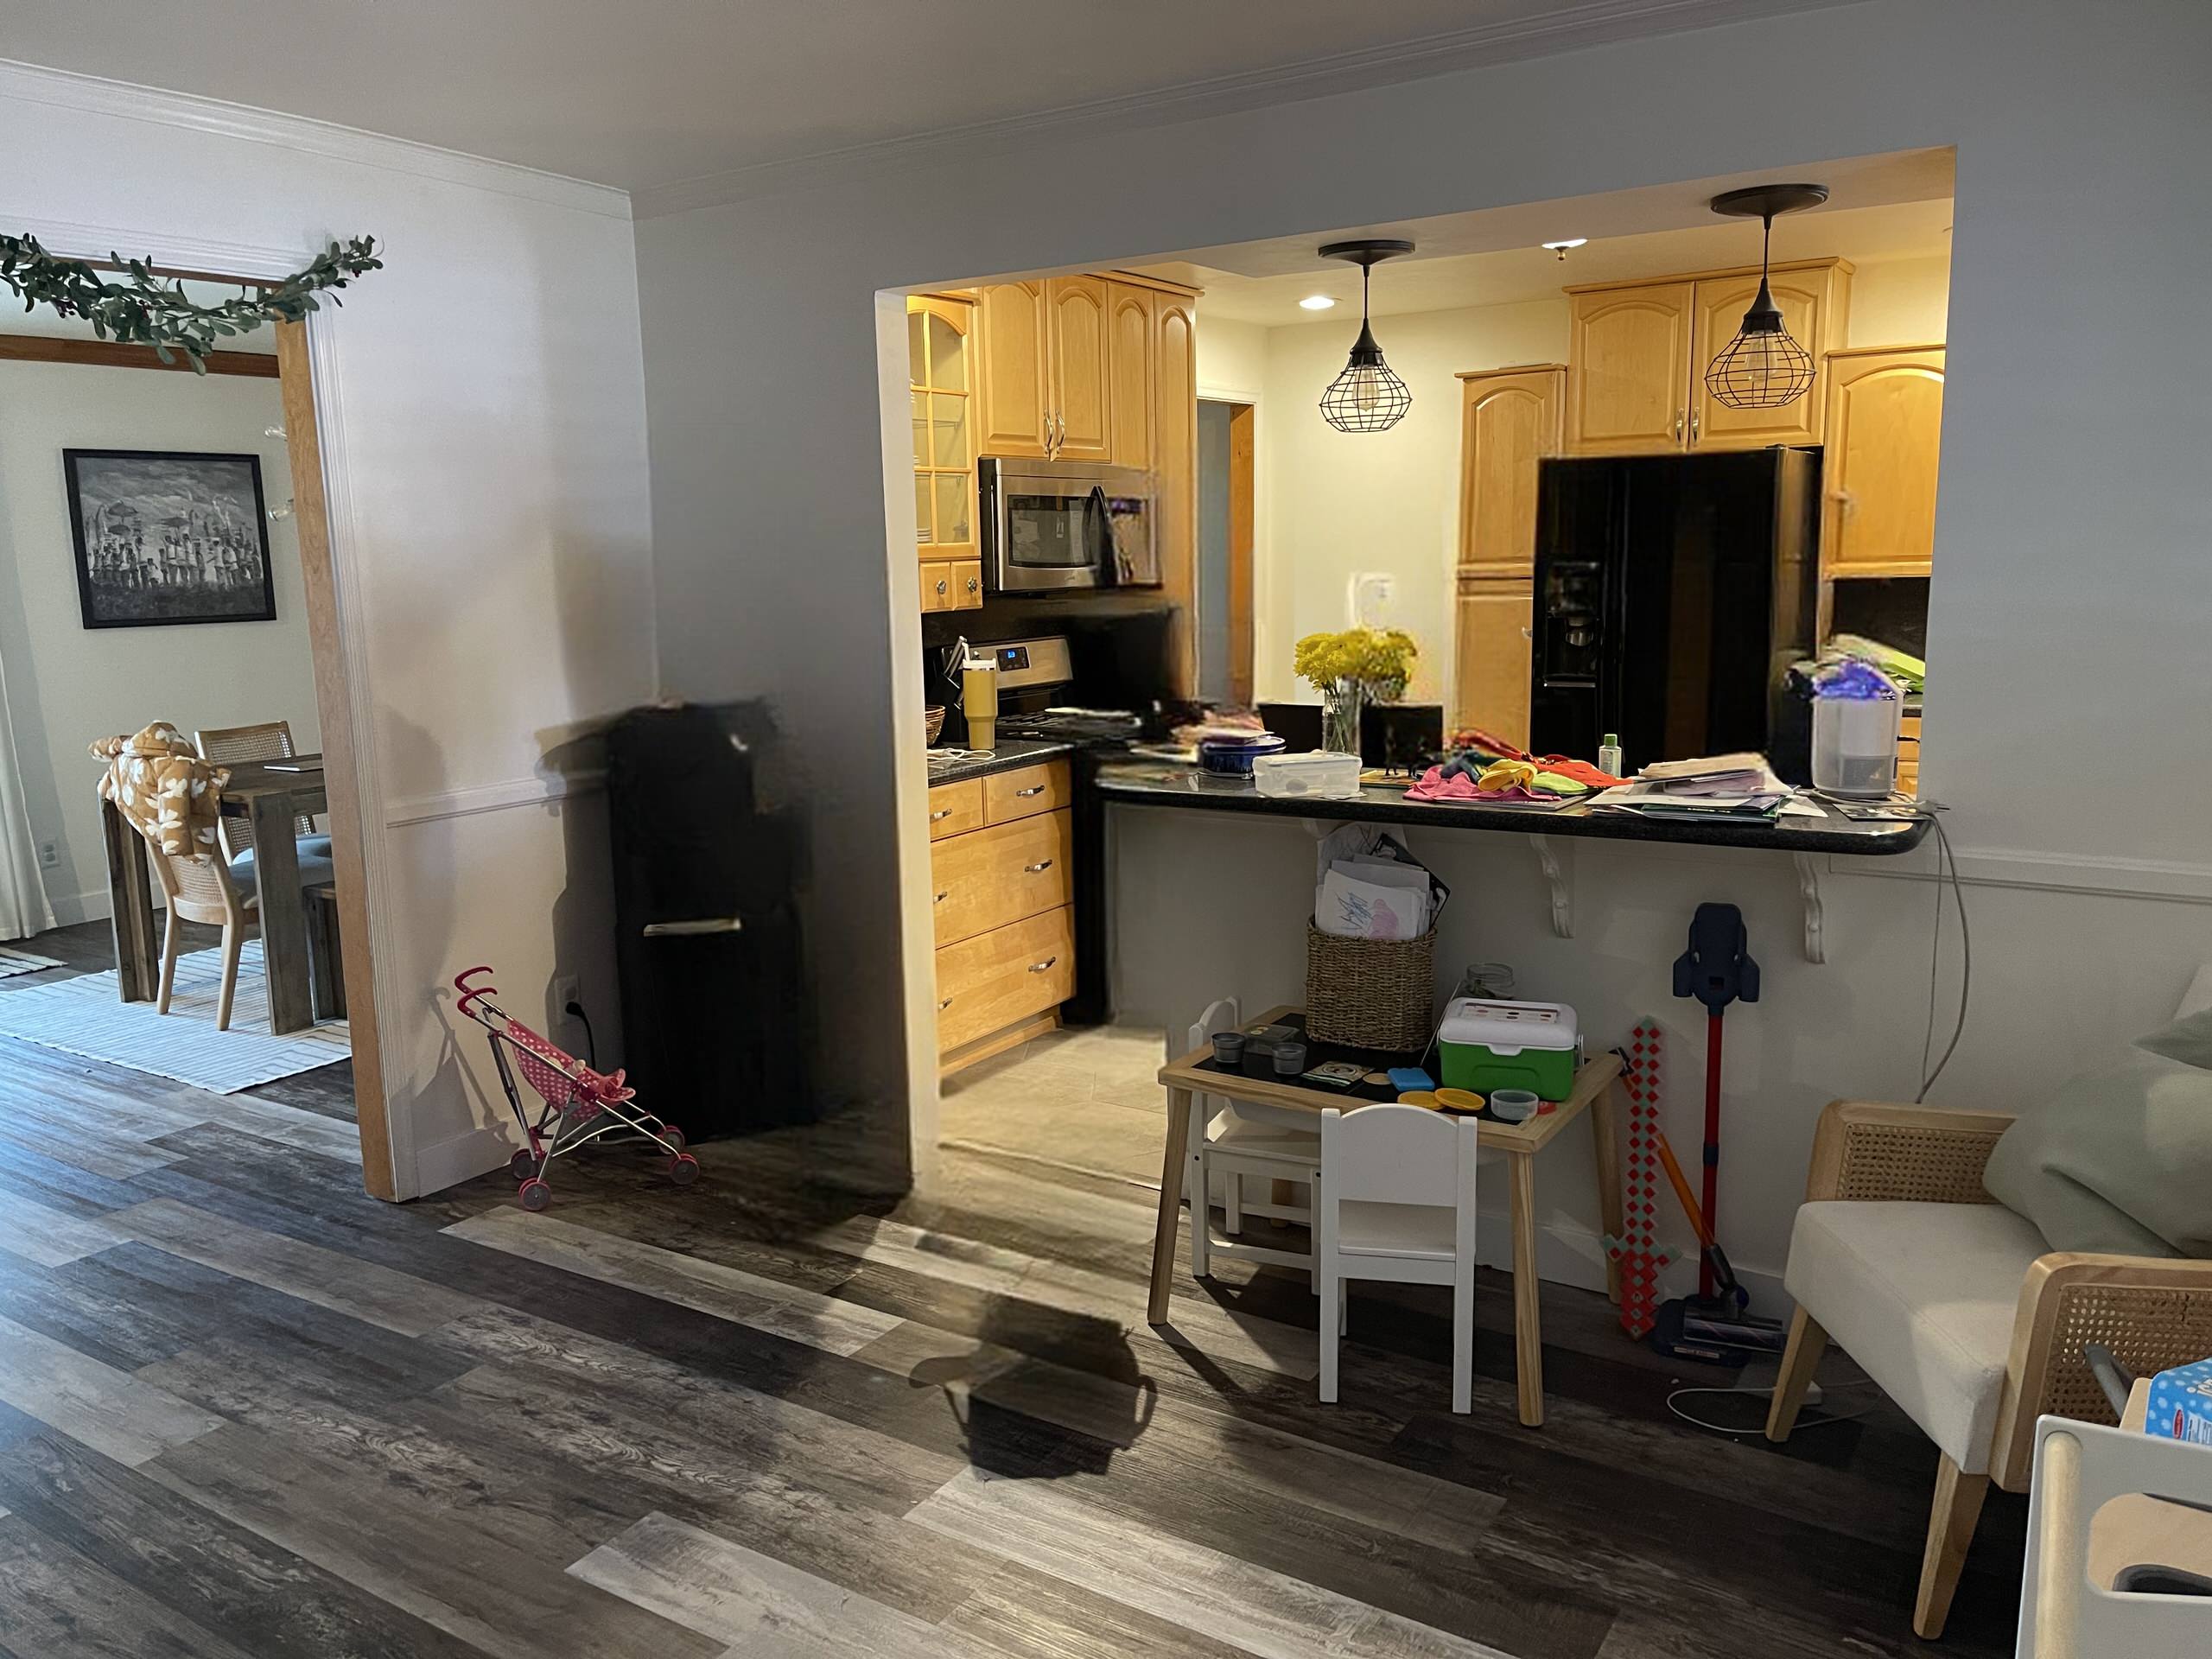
162	786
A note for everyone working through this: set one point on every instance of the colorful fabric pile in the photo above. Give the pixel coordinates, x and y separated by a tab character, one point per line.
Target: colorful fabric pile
1476	775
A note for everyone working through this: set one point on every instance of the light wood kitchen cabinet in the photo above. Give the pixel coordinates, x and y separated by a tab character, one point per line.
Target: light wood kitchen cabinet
1076	376
1884	438
1628	370
1011	318
1492	652
1001	890
1509	420
1175	477
1638	353
1132	365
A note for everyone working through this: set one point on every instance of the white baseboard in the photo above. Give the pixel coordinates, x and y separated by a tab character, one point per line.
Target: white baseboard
1567	1255
450	1162
93	906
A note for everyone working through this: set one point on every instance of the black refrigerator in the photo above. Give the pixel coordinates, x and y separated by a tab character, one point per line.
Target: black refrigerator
1673	592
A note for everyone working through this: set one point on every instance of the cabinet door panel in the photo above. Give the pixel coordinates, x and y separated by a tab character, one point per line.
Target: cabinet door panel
1075	307
1492	649
1010	318
1722	302
985	984
989	877
1885	437
1175	464
1628	371
1509	423
1129	360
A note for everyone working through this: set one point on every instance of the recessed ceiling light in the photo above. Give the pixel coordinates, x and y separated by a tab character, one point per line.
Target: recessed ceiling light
1560	248
1315	303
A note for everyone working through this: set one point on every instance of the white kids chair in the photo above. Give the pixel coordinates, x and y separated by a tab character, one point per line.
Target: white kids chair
1397	1203
1232	1139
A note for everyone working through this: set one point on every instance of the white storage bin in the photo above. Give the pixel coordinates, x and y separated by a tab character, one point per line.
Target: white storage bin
1319	773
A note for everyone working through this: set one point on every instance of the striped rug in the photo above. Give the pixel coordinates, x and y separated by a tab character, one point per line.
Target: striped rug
82	1016
22	962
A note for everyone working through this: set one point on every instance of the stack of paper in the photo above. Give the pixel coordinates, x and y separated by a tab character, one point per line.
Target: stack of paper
1368	886
1721	785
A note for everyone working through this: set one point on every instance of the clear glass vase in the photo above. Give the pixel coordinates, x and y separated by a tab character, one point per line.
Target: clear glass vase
1340	712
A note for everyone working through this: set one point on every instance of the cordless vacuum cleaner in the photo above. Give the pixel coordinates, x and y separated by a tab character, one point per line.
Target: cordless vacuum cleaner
1715	1324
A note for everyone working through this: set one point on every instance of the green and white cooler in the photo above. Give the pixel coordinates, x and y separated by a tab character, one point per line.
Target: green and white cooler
1487	1045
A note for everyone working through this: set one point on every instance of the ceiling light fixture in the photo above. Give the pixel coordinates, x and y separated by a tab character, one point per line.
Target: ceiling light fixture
1763	367
1560	248
1367	396
1316	302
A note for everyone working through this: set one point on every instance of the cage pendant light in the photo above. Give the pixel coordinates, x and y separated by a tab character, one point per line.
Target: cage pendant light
1367	396
1763	367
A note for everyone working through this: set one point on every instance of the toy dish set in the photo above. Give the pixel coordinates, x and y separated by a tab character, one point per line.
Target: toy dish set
1486	1045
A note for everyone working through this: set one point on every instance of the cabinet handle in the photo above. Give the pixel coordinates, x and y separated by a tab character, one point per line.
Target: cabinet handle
1024	794
975	584
942	812
943	1003
941	897
940	584
1678	426
1038	868
692	930
1039	966
1697	420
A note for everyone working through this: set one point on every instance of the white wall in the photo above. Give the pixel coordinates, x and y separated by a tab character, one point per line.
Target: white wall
2076	590
70	683
483	400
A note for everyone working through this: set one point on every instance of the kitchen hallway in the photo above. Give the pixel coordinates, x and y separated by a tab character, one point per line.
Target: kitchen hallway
701	1427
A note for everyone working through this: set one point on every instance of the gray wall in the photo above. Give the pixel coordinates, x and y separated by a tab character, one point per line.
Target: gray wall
2075	590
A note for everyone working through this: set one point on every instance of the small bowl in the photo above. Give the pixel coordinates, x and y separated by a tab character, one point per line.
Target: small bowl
1232	757
1512	1105
1228	1047
1290	1059
933	722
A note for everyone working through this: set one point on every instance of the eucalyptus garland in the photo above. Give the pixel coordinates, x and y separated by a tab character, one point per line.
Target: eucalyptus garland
137	306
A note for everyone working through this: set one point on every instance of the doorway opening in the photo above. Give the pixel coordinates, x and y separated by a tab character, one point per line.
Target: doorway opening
1226	505
175	568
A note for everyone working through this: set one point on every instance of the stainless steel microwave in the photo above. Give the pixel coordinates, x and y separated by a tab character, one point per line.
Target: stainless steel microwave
1049	525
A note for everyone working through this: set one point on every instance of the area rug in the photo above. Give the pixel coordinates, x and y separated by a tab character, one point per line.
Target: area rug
22	962
82	1016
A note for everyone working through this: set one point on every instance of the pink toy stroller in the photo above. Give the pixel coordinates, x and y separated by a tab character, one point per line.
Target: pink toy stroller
580	1104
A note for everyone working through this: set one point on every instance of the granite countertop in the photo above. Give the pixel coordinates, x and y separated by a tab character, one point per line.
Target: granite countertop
1154	783
1011	752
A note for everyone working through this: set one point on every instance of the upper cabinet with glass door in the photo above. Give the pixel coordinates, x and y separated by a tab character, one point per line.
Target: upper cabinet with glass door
941	377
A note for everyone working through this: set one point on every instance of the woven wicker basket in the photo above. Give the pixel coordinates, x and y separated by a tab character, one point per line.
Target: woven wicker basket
1370	992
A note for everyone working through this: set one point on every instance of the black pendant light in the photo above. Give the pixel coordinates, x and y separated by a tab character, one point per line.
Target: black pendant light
1763	367
1367	396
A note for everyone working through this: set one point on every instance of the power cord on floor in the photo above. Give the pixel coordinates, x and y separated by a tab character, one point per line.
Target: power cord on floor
1814	1420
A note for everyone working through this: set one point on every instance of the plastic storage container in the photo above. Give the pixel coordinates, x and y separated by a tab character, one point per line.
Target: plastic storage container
1319	772
1858	712
1487	1046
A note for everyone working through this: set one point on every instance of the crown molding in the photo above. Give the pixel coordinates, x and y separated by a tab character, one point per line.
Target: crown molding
91	94
1593	22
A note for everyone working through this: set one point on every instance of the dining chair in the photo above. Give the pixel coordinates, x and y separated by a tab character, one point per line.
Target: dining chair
201	890
1397	1205
1231	1141
267	740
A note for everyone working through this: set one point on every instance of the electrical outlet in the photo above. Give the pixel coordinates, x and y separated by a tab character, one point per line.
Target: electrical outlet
566	989
49	855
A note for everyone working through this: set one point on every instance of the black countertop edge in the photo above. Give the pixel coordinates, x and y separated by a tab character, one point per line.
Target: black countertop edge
1144	783
1010	752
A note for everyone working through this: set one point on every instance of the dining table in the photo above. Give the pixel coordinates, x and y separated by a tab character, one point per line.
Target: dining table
271	797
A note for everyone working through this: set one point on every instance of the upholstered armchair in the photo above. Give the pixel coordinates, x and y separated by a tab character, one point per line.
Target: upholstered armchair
1958	1310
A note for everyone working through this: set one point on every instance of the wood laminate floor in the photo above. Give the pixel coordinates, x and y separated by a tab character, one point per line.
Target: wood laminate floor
247	1410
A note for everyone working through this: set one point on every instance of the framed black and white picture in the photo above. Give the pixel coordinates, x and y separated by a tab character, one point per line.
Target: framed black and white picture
164	536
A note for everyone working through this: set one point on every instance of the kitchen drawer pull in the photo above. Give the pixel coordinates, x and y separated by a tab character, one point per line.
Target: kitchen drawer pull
942	814
1038	868
1039	966
1034	789
941	897
686	930
943	1003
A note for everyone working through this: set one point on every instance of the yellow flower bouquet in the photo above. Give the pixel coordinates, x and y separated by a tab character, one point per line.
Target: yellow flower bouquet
1351	670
